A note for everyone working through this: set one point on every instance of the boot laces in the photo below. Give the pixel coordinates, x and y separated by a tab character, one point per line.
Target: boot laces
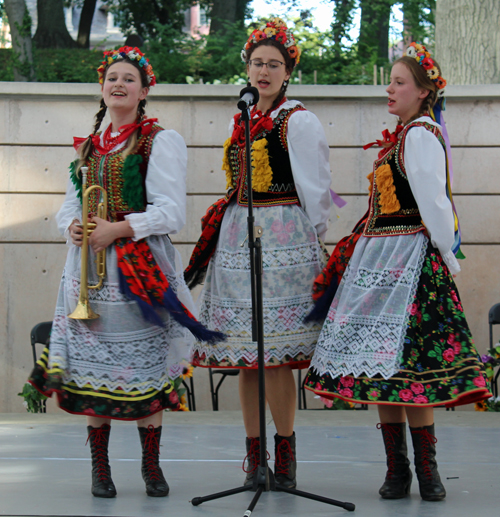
284	456
390	434
151	453
253	456
426	439
99	443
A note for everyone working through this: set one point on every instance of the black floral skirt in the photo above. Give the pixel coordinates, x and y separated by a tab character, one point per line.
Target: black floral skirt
117	405
440	364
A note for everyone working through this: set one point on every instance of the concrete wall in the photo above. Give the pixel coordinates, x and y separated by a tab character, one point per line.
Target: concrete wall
37	122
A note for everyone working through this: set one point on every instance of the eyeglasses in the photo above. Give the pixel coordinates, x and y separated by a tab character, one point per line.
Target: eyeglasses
257	64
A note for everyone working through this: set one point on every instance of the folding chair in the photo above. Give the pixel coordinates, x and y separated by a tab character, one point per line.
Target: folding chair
225	372
40	333
190	394
494	319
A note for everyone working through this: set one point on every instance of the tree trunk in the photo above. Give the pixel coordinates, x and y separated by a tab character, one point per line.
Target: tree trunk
342	19
20	30
222	11
374	29
241	9
468	40
51	31
85	25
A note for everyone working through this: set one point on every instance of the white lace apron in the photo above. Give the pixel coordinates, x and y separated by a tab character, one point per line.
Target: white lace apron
120	350
367	322
292	258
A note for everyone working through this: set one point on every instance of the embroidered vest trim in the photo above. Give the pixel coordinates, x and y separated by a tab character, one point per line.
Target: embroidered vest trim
124	180
272	178
392	207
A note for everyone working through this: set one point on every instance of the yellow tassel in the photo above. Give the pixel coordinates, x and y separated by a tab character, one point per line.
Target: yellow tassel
370	179
226	165
262	175
389	202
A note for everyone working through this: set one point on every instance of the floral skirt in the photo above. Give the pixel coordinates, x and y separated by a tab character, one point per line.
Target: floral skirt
292	258
440	364
118	366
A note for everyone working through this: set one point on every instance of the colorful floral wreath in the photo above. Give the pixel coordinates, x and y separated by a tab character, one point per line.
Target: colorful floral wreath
274	29
423	57
132	53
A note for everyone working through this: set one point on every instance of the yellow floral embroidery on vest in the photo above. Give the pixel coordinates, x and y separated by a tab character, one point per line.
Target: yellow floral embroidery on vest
262	175
370	179
389	202
226	166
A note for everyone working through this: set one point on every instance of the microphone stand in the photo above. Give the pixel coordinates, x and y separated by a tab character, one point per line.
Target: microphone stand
263	480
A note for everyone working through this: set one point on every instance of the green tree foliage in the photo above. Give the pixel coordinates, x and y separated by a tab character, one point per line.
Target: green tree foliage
144	17
419	20
342	20
374	30
222	12
327	57
56	65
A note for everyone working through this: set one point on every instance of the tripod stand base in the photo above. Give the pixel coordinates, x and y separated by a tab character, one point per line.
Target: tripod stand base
350	507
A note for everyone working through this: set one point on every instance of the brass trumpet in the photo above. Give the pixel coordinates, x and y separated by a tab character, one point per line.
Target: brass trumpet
83	309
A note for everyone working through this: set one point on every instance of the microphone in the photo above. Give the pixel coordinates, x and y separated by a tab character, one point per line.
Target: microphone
248	97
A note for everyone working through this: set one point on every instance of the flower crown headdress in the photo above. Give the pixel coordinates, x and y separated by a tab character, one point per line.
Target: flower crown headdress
132	53
274	29
423	58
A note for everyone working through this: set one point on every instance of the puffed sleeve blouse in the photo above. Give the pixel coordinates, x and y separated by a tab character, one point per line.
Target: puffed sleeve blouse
425	164
165	191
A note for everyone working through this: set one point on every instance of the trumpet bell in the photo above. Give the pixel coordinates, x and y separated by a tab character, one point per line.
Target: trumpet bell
83	311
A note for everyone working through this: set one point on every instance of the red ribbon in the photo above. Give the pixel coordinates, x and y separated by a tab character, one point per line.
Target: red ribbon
258	122
389	140
110	142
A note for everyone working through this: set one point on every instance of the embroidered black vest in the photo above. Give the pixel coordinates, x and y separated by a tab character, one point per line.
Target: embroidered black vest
282	190
124	180
383	219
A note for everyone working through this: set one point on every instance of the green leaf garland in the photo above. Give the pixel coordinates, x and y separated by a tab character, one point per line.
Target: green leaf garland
133	190
77	181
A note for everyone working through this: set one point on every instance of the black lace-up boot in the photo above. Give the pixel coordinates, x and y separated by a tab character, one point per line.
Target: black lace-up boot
424	441
102	484
285	462
398	477
156	485
252	459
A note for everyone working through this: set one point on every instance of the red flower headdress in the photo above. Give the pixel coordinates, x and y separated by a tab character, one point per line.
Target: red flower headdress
132	53
423	58
274	29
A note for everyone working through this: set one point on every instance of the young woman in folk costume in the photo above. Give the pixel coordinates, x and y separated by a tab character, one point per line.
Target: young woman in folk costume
120	365
291	178
395	334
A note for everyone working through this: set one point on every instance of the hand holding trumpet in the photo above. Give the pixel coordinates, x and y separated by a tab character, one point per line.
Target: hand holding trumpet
104	233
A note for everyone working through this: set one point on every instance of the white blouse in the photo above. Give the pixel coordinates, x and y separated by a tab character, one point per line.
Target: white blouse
425	164
165	191
309	159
